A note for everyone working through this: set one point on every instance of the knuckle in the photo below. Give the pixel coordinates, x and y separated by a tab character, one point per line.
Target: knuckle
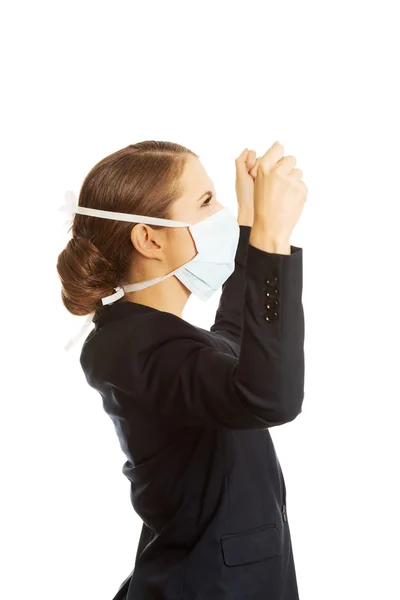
262	167
303	192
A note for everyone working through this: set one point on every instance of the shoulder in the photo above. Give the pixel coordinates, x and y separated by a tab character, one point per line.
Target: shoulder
158	327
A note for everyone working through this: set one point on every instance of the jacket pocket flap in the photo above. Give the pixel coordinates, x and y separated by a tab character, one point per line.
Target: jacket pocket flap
250	546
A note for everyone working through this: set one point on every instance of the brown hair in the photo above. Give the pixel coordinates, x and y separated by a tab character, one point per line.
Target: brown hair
141	179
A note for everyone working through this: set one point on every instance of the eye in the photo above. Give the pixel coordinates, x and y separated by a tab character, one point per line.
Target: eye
207	201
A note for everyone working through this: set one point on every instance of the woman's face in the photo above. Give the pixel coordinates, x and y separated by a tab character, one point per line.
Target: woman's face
196	204
172	247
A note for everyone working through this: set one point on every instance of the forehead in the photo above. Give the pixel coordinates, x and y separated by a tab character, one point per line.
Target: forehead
195	180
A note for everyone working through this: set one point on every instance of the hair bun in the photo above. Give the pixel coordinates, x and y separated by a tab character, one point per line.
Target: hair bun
86	276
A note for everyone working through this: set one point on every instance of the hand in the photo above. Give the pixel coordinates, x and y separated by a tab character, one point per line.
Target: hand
245	186
279	193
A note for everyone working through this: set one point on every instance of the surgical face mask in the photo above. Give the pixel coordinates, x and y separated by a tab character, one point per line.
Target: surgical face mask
216	239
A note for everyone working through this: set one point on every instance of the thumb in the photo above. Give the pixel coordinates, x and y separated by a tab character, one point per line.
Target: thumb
251	159
253	170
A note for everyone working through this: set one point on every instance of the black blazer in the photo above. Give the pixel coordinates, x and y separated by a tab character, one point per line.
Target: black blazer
192	410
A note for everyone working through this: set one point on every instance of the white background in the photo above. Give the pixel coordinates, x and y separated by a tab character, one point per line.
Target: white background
82	80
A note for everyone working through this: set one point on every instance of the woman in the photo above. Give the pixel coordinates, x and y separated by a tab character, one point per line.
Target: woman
192	408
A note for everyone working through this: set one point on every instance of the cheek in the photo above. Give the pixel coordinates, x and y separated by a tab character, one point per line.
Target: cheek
182	246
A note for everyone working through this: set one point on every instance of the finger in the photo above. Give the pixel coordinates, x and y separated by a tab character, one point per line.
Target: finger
272	156
296	174
242	156
253	171
240	162
251	159
285	165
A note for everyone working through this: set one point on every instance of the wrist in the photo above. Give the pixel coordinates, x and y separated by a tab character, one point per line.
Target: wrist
245	218
269	241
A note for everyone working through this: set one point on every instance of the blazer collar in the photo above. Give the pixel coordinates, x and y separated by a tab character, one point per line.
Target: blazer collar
119	310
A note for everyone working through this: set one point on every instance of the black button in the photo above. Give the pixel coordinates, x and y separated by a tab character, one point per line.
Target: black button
272	304
272	282
271	317
272	293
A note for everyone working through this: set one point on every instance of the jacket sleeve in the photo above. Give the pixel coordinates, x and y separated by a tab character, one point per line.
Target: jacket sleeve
173	371
229	316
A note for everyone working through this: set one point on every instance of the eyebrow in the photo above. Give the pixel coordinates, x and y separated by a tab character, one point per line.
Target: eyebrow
205	194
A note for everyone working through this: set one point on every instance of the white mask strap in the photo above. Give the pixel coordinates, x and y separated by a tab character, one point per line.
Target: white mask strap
88	321
71	207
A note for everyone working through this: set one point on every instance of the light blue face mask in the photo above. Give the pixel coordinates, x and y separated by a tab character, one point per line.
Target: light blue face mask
216	239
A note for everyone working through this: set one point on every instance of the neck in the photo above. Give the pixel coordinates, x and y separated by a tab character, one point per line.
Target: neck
169	295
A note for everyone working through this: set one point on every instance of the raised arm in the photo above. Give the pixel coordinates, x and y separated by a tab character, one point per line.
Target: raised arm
229	315
169	370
